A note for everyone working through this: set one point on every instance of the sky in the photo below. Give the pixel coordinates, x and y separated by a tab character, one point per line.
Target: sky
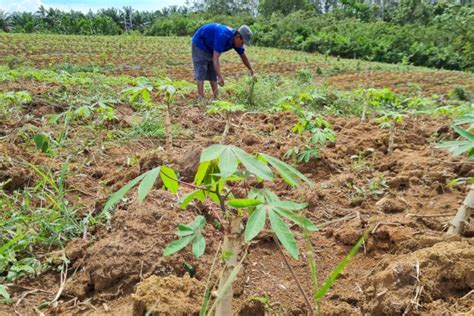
84	5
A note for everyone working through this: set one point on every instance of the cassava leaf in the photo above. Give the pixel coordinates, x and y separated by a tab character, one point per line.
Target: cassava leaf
147	183
253	165
212	152
243	203
287	172
227	163
117	196
255	223
169	178
284	234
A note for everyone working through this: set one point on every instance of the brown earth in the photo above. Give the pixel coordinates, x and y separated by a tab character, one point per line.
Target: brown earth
406	266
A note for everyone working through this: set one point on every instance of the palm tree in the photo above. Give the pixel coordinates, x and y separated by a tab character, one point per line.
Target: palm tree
5	21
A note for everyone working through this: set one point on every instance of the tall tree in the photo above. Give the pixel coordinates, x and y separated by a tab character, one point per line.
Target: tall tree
267	7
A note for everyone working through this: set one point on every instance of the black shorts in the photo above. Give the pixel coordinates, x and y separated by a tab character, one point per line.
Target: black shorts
203	65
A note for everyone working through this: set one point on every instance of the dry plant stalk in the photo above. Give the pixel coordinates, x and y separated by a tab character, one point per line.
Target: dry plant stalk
461	218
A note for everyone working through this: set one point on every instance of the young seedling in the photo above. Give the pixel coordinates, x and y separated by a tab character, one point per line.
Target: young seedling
11	101
227	109
165	90
390	120
318	132
222	169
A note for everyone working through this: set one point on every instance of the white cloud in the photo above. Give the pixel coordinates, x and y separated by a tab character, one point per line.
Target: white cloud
20	5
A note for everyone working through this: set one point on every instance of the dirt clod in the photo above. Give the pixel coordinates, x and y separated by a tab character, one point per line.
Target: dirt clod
169	295
441	271
392	205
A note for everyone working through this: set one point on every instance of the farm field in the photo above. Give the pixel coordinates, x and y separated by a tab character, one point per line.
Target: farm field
76	126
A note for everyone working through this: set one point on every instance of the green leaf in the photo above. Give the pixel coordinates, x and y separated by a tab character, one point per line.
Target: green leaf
147	183
253	165
212	152
170	179
464	133
184	230
287	172
199	245
284	234
227	163
205	302
335	274
201	172
289	205
297	219
177	245
117	196
199	222
243	203
4	293
41	142
197	194
255	223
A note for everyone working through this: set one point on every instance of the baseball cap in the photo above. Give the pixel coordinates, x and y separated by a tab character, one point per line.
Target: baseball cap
246	33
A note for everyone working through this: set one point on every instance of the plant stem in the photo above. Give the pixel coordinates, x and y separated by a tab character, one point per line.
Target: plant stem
312	268
167	122
462	216
226	128
231	245
300	287
391	139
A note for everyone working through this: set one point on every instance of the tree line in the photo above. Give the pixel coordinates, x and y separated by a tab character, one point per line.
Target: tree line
420	32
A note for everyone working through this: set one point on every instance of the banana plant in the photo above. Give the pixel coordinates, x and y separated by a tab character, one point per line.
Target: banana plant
222	169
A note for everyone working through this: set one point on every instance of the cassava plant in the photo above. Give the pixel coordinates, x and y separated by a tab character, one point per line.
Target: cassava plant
390	120
317	133
161	94
225	109
464	145
223	169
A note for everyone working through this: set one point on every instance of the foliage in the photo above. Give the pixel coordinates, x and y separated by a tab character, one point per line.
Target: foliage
11	101
219	165
433	34
466	142
27	225
317	133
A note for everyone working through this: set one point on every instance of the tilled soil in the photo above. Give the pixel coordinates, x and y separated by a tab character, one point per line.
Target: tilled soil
407	266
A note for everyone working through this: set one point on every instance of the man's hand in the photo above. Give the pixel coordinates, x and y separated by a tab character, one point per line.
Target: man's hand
220	81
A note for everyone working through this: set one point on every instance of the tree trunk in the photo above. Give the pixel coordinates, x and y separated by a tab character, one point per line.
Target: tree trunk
462	216
231	245
167	122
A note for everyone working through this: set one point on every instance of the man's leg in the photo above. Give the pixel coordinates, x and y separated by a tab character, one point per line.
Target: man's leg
215	89
200	86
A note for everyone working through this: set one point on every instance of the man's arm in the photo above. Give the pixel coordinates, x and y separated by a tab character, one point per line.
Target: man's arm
246	62
217	67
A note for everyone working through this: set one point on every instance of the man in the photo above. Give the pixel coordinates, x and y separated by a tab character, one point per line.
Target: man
209	42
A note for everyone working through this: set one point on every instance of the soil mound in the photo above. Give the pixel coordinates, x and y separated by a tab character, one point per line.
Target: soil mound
168	296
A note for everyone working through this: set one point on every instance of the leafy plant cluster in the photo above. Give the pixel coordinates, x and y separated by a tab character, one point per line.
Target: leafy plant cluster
11	102
316	132
39	217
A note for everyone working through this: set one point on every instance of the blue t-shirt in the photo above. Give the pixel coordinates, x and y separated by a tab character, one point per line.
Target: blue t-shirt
216	37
